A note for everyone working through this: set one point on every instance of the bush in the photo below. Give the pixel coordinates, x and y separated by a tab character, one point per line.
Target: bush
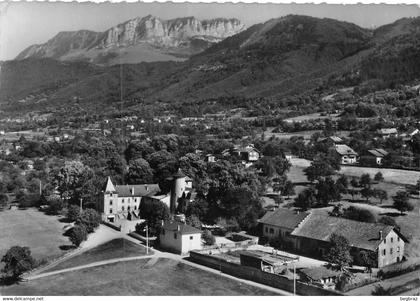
73	213
78	235
359	214
17	261
397	269
208	238
90	218
55	204
4	199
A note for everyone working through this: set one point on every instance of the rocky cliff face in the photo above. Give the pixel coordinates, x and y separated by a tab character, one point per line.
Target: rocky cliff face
178	37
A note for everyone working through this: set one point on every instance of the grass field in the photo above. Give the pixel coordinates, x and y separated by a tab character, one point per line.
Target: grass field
117	248
148	277
31	228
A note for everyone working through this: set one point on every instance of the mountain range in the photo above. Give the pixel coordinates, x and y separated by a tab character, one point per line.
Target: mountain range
291	55
136	40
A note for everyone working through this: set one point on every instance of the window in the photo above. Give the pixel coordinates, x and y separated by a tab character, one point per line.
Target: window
385	241
122	208
384	252
135	207
110	211
122	201
398	249
110	202
110	194
191	237
398	238
129	201
271	230
392	239
135	200
266	230
175	236
390	251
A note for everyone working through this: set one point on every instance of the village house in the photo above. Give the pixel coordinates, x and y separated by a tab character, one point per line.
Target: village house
333	140
385	133
375	156
309	233
179	238
248	153
210	158
346	153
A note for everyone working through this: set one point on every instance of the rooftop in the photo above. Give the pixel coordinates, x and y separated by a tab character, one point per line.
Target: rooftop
284	218
343	149
182	228
378	152
137	190
359	234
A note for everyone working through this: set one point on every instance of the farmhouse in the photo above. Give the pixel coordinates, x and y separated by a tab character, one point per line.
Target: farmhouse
310	233
383	242
347	154
376	155
180	238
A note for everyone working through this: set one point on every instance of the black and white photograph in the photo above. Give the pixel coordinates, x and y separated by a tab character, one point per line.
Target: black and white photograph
209	149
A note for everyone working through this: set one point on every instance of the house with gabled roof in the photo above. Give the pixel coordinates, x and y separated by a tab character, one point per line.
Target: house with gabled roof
346	153
179	238
383	242
310	233
376	155
387	132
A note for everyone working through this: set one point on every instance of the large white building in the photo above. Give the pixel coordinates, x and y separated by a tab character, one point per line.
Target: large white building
120	200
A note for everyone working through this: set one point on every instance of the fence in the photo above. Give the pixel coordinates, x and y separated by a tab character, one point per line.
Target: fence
259	276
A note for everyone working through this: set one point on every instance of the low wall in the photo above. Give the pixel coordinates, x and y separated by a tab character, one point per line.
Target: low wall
259	276
111	225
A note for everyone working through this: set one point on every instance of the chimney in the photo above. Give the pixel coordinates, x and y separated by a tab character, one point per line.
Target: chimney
178	228
132	190
380	235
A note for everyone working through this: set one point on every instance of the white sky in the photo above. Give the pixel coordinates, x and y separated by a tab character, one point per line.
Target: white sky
25	23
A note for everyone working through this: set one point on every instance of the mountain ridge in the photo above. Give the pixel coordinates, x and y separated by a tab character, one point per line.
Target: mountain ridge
179	37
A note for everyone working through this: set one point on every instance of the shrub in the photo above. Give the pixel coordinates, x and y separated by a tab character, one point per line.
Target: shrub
73	213
55	204
90	218
17	261
208	238
78	235
359	214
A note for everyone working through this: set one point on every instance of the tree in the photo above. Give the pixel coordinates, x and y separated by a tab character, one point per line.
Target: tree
380	194
208	238
154	212
387	220
73	213
78	234
17	261
306	199
55	204
139	172
327	191
342	183
194	221
288	189
354	183
339	252
359	214
401	202
4	199
365	180
337	211
381	291
367	193
378	177
369	259
89	218
319	168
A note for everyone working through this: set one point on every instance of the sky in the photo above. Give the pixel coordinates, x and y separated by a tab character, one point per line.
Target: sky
26	23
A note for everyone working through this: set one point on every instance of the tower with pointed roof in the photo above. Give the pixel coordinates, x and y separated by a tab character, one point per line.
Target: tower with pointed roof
177	189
